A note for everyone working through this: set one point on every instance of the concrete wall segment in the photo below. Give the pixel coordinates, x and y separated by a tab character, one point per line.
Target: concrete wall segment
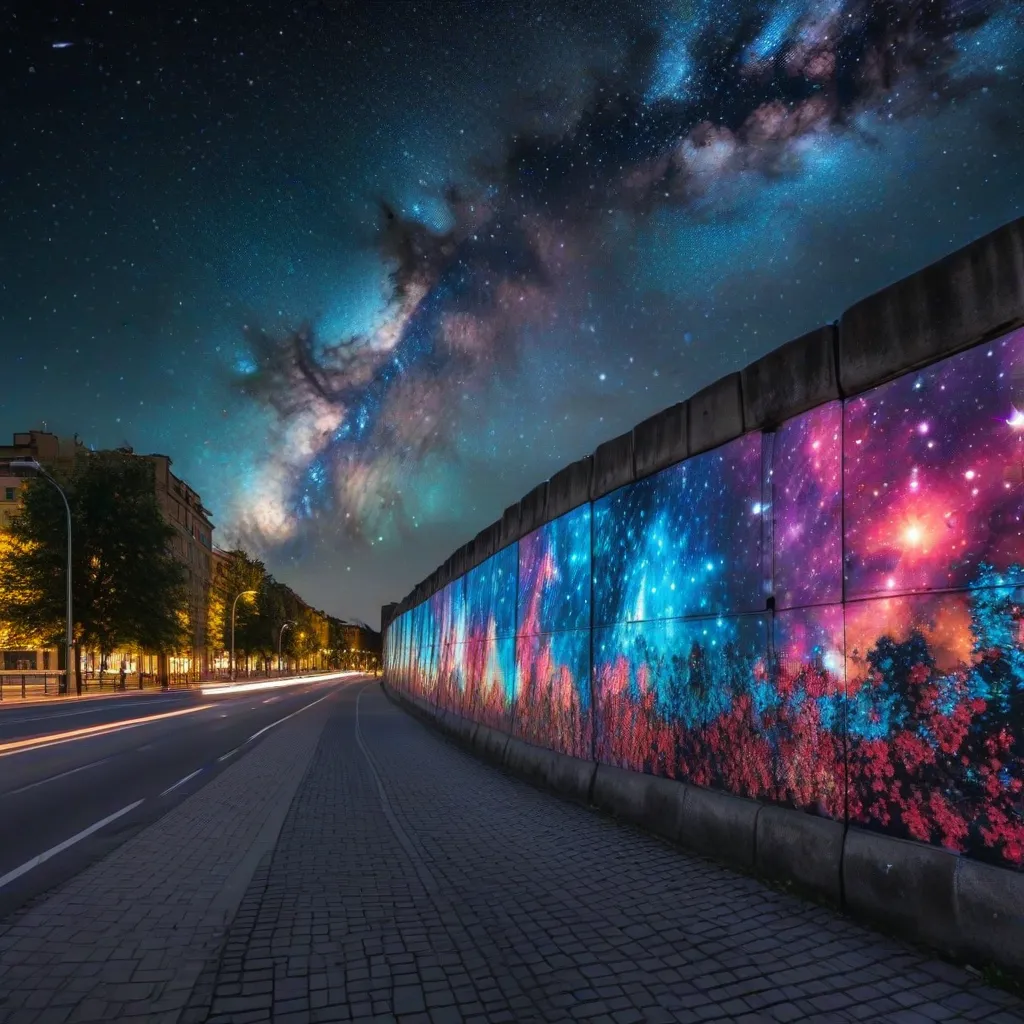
790	380
661	440
715	414
973	294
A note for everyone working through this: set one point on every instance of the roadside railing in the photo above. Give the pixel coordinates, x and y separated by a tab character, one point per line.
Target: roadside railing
20	684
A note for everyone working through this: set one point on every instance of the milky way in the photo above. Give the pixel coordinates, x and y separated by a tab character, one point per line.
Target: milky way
707	106
369	279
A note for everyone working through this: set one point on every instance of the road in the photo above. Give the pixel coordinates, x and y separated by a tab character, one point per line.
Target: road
77	780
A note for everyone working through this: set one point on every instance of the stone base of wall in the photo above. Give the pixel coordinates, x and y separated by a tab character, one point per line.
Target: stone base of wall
962	908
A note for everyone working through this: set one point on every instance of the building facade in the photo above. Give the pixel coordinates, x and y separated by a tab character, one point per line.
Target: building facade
192	545
183	509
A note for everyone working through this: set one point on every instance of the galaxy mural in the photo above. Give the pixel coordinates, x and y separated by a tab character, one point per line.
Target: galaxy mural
553	706
807	509
686	541
878	678
488	665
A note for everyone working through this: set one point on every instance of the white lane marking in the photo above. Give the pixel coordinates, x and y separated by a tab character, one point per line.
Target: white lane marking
267	728
54	778
61	847
230	753
181	782
72	714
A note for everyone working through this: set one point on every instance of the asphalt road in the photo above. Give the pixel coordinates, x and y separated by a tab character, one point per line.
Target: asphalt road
109	767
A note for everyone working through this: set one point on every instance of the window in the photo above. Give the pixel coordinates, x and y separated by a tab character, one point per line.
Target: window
8	494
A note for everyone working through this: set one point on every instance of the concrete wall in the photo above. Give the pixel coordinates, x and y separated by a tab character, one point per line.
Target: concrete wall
780	623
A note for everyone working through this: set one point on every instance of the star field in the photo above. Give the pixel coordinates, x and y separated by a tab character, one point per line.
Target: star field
368	276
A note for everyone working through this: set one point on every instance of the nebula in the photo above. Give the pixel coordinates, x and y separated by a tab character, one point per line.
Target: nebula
714	108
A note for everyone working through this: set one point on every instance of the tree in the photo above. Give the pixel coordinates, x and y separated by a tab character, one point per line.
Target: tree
240	572
127	586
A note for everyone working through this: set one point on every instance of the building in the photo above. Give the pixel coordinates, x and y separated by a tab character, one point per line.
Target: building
182	508
58	455
193	546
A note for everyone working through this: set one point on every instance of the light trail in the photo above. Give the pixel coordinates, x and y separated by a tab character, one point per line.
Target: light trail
274	684
53	739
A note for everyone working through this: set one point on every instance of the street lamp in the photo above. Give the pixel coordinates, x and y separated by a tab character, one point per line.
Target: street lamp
31	466
280	641
234	605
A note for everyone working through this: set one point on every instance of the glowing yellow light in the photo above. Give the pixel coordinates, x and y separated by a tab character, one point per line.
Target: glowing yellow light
913	535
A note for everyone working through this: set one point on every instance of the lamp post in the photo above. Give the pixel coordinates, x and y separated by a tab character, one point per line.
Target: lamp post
280	641
234	605
31	466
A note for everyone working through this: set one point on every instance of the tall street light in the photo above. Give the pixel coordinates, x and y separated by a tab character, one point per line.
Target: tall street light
31	466
280	641
234	605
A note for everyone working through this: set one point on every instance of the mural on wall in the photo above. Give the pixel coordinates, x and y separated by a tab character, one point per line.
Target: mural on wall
661	687
934	464
807	509
490	681
491	596
684	542
552	705
554	575
902	708
487	660
934	501
936	717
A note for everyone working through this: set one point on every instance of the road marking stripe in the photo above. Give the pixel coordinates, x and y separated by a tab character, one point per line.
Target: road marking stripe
54	778
61	847
267	728
181	782
230	753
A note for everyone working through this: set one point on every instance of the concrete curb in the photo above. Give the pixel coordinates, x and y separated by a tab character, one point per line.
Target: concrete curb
963	908
906	887
489	745
567	776
655	804
721	827
989	907
806	851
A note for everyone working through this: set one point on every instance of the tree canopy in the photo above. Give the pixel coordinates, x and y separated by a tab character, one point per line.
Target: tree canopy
128	589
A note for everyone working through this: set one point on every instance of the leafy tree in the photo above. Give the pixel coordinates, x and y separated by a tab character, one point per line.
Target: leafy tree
239	573
127	586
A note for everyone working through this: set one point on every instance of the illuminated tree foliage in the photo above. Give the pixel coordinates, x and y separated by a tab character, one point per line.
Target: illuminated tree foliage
128	589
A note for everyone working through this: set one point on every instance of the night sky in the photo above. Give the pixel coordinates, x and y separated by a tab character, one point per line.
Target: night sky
369	272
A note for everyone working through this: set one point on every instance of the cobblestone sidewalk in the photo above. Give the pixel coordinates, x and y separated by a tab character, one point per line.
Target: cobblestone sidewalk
128	937
411	882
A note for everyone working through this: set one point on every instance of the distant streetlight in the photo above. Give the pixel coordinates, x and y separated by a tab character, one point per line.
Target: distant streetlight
31	466
234	605
280	642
